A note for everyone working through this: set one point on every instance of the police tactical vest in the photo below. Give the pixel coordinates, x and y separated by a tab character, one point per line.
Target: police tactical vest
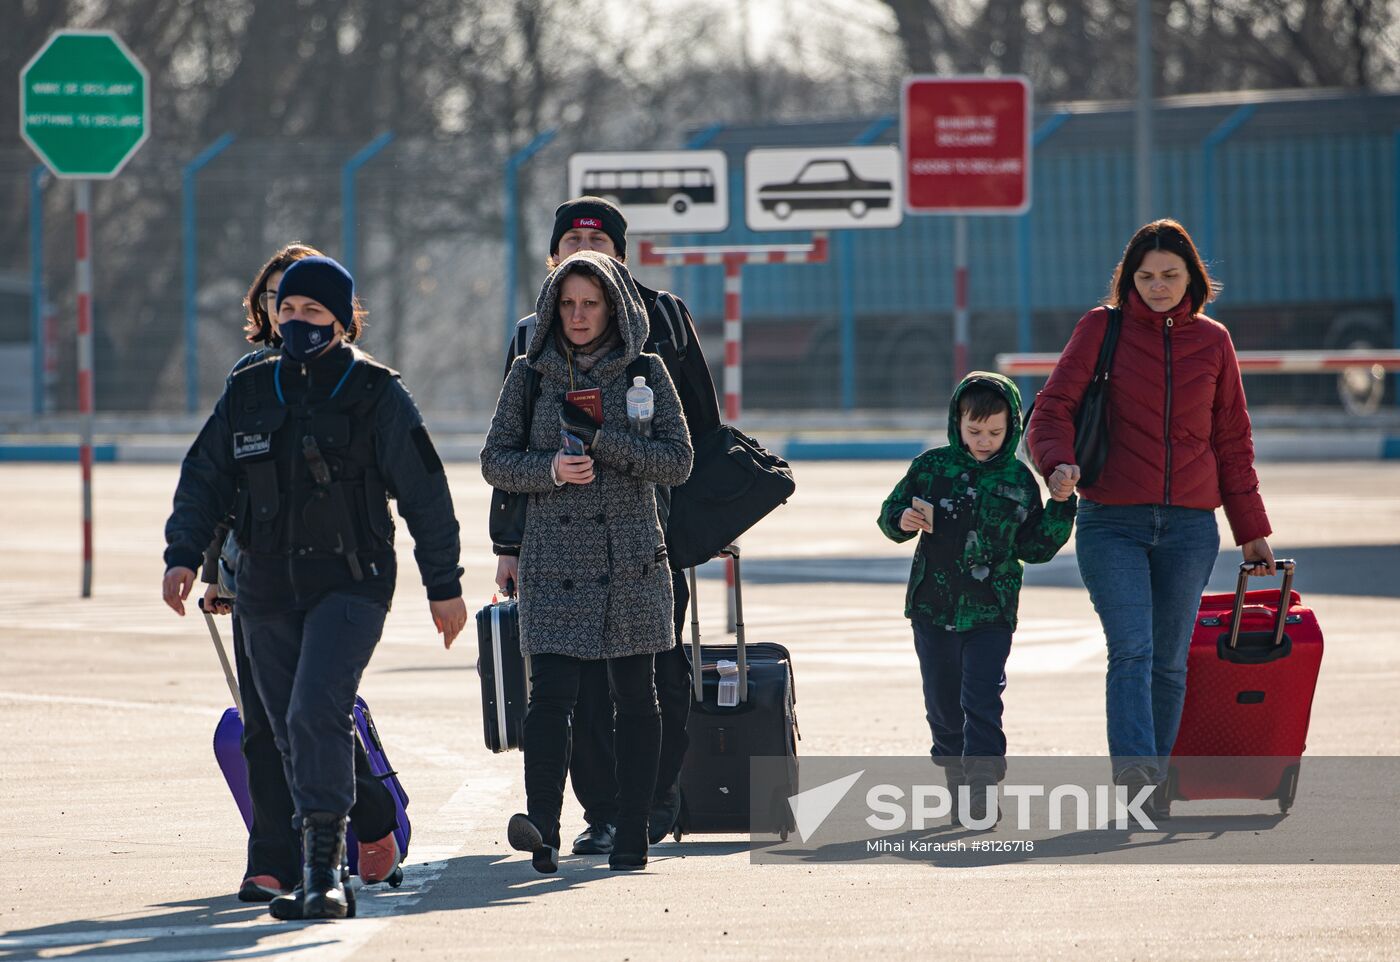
308	484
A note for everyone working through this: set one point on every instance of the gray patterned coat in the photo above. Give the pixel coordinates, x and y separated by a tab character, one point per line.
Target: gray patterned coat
594	579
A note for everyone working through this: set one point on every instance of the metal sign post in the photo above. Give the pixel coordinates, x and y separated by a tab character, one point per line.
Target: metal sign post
733	258
85	108
967	151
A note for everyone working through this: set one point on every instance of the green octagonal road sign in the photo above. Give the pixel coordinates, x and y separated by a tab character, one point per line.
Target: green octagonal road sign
85	104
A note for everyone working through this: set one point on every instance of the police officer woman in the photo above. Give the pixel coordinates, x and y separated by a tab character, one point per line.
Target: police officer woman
305	449
594	580
274	844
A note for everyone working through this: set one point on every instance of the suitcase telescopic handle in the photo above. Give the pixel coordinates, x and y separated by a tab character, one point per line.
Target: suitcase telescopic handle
696	670
1286	565
223	658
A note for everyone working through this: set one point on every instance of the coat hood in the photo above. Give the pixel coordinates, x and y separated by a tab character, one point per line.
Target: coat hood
628	314
1007	389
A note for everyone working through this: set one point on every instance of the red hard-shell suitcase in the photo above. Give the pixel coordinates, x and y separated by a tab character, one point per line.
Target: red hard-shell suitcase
1250	677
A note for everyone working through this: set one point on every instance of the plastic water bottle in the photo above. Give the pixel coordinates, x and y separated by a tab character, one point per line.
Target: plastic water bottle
641	405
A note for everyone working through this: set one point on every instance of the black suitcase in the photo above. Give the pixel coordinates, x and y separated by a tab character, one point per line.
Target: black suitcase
505	676
715	778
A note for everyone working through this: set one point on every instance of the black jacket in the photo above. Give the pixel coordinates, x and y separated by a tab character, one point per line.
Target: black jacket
212	483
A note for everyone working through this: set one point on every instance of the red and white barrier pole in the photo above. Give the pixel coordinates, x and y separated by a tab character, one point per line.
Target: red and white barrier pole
733	388
734	257
83	233
961	321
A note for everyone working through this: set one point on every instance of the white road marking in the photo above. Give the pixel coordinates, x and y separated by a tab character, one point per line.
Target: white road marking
202	711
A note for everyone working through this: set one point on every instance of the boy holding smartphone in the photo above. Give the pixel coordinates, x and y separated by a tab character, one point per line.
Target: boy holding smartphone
979	514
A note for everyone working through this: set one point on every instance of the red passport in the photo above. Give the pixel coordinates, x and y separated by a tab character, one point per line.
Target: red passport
590	399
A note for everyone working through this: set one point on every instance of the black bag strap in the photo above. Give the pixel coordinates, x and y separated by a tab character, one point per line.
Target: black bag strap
1102	368
669	310
640	367
1104	365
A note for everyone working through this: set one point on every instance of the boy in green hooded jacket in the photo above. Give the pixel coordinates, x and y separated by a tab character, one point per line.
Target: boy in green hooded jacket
987	518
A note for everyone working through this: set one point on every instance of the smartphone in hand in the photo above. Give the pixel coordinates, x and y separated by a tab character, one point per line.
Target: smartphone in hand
570	443
924	508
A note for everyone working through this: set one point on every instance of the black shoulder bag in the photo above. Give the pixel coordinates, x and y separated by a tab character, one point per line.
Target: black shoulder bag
507	522
1091	420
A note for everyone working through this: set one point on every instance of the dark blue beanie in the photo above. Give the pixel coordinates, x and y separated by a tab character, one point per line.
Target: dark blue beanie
323	280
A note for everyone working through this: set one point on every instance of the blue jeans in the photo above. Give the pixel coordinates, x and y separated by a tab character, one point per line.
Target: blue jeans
1145	566
964	674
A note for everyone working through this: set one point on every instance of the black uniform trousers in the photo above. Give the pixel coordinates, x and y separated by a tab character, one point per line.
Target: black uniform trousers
274	846
593	760
306	666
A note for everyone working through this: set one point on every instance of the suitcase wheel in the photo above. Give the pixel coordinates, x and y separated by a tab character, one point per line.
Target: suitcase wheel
349	902
396	879
676	833
783	835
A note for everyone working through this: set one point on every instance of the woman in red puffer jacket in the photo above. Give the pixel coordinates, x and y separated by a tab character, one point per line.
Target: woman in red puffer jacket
1179	447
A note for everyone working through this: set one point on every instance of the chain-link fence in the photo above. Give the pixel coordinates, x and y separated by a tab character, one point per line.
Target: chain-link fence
1294	205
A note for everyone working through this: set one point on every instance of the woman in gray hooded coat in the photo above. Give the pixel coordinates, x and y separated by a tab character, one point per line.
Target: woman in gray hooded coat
594	578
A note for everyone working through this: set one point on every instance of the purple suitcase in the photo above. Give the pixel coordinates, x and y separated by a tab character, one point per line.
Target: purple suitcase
228	751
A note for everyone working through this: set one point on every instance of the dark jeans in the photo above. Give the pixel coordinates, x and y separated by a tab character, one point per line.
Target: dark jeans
307	665
964	674
592	762
274	846
554	691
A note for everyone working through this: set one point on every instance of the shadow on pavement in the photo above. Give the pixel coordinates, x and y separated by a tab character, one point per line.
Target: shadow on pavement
1360	570
939	847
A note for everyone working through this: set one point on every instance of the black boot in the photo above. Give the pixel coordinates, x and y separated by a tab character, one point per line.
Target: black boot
323	848
525	834
638	741
665	809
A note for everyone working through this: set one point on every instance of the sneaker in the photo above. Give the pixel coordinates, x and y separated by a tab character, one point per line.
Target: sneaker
378	859
260	888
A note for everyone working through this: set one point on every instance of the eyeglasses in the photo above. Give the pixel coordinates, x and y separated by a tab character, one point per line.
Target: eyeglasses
268	300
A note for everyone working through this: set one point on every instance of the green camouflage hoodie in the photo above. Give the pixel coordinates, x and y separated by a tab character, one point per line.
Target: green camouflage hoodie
988	519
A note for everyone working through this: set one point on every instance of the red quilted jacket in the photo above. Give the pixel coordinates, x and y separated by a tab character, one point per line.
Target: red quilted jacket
1177	425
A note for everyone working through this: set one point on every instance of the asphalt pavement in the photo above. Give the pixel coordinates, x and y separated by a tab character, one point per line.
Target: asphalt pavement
122	842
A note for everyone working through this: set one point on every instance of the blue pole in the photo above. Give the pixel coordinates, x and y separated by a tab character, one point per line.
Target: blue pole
1218	136
846	271
348	238
36	281
1023	255
187	210
512	218
703	138
1395	279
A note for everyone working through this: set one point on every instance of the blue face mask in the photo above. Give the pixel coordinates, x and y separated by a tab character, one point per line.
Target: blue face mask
302	340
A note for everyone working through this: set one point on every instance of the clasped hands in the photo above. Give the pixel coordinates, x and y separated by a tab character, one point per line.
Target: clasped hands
1062	481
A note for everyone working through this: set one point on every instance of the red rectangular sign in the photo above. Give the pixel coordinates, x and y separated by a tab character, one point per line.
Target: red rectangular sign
967	145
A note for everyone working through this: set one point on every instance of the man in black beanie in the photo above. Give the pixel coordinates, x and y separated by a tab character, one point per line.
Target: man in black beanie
592	223
587	223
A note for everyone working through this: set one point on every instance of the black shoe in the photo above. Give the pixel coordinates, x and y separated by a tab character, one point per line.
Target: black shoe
324	874
665	809
978	805
629	853
525	836
288	907
1134	779
1159	806
594	840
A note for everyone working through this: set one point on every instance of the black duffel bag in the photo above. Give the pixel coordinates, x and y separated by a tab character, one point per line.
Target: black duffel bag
734	483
